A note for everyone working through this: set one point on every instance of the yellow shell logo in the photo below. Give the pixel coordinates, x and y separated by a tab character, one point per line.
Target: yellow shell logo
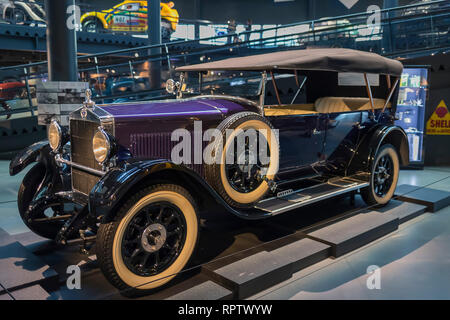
439	122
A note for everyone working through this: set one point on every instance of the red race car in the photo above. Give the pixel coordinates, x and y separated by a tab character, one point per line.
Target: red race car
8	91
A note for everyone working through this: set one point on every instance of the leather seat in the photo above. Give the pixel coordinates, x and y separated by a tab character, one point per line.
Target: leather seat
289	110
346	104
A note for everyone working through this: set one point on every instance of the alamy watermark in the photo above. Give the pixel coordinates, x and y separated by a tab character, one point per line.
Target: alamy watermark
374	279
74	17
234	146
74	279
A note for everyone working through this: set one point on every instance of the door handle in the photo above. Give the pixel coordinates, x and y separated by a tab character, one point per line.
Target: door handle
358	125
315	131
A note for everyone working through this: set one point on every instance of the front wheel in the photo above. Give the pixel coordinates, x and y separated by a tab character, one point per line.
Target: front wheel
151	239
93	25
384	177
30	192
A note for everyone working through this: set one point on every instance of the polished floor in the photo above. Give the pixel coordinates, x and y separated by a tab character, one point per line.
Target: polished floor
414	261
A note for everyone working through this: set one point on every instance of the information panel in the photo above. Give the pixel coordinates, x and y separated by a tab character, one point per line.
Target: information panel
411	109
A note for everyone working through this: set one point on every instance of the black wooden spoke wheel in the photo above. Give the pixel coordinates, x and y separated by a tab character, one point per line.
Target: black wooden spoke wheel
246	170
154	239
384	176
150	240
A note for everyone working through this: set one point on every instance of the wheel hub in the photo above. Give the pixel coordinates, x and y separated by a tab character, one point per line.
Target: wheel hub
383	174
153	237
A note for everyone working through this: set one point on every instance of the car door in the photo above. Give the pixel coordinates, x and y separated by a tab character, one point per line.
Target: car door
127	17
341	139
301	140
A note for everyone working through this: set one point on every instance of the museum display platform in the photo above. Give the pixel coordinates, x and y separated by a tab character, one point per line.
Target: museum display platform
247	257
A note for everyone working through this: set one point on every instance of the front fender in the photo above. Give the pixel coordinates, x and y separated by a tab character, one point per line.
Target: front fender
371	142
99	15
27	156
110	191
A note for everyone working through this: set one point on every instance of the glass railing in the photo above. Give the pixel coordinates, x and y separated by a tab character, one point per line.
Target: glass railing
124	75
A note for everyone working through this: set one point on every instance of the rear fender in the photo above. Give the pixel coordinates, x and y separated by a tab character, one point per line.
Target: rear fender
372	141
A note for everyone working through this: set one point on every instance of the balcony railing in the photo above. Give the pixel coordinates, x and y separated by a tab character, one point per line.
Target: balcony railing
124	74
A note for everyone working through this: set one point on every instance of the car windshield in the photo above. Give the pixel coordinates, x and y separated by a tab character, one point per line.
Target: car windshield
235	83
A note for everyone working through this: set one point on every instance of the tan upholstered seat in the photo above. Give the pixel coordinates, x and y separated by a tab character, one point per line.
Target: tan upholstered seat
345	104
289	110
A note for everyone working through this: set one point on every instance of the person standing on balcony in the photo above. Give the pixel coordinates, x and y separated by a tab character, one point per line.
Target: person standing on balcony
231	30
248	28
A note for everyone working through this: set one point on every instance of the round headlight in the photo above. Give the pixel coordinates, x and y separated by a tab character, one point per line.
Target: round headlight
101	145
54	135
170	86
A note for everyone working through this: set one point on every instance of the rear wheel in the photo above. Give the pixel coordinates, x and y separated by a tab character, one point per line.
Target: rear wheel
150	241
384	177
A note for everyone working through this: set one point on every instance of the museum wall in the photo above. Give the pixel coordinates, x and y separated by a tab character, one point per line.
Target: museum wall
437	151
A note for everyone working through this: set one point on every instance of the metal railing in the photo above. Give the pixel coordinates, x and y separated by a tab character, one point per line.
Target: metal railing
125	74
31	13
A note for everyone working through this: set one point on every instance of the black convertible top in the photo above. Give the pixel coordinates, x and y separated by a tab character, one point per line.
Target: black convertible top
338	60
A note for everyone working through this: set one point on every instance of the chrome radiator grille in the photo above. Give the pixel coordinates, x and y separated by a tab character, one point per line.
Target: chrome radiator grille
81	133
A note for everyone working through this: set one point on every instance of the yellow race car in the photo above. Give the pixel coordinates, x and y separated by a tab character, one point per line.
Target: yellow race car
130	16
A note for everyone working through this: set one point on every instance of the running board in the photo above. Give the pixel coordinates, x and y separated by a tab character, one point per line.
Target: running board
290	199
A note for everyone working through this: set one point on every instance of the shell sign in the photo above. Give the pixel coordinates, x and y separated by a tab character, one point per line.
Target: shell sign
439	122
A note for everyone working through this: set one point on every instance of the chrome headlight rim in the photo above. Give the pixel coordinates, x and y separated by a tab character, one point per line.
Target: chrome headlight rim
54	124
101	133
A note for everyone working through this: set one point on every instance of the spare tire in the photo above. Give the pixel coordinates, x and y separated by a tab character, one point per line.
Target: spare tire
236	170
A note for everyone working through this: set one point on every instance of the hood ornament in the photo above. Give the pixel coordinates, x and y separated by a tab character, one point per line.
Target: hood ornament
88	103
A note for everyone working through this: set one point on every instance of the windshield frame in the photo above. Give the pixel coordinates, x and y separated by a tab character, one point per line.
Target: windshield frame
258	102
199	87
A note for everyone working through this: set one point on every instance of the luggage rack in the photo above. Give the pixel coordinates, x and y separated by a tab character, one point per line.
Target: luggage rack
289	199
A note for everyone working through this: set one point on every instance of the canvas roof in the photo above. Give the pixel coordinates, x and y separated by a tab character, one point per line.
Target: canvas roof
332	59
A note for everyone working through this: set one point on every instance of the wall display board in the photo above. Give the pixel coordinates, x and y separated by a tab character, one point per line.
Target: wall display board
412	99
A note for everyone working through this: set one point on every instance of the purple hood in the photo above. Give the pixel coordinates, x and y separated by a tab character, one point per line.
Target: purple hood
145	128
172	108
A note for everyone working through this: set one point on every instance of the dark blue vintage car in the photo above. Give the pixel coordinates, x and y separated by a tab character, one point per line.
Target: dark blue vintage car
258	135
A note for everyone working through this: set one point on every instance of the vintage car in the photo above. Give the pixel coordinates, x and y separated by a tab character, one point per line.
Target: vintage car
22	12
9	90
130	16
124	175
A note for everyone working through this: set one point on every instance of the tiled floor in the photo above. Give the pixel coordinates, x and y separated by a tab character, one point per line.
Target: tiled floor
414	261
10	220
